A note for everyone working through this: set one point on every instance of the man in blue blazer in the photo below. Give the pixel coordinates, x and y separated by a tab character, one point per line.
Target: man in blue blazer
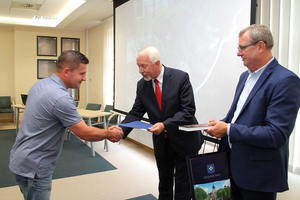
257	128
171	146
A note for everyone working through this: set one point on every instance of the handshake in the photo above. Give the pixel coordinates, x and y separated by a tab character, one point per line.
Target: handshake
115	134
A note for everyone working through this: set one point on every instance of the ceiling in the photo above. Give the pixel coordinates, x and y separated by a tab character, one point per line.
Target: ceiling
55	13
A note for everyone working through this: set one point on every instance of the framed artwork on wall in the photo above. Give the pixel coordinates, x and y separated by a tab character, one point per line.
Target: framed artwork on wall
45	68
74	93
46	46
70	44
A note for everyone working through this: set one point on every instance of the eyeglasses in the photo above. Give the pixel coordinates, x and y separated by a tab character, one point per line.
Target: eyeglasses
241	48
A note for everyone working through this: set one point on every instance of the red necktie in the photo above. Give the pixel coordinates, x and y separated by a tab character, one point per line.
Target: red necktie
157	93
158	96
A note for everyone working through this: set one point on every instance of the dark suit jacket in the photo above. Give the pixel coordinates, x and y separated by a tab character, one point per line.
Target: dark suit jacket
178	108
260	134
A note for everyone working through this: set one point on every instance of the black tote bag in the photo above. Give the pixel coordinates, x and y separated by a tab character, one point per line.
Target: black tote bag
209	176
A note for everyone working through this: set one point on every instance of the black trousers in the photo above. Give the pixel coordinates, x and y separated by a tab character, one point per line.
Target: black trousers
244	194
173	167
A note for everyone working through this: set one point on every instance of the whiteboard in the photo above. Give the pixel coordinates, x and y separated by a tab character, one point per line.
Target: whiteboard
196	36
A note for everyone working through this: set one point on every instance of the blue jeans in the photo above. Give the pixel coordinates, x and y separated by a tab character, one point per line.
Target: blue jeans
35	188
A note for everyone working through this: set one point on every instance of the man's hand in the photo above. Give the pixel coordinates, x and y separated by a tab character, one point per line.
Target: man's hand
157	128
218	130
116	133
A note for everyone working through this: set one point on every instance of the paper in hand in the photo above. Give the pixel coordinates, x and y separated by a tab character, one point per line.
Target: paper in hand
137	124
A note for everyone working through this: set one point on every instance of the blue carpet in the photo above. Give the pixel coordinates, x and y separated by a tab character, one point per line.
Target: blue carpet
145	197
75	159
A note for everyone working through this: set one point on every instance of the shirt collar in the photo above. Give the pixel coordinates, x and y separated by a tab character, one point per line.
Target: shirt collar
260	70
161	75
58	80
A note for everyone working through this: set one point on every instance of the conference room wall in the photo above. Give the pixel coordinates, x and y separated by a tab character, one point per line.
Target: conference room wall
25	54
6	66
95	70
18	54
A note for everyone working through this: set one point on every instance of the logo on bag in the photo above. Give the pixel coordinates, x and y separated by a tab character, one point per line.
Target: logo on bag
211	168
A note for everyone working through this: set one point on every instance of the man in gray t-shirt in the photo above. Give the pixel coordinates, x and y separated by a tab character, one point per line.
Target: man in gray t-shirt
50	109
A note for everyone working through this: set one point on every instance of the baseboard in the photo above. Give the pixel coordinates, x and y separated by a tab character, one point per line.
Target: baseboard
6	121
140	144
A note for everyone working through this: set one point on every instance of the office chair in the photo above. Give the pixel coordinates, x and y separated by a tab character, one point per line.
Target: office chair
110	121
92	106
6	106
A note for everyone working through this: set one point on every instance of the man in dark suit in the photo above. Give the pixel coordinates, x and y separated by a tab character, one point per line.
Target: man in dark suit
171	146
257	128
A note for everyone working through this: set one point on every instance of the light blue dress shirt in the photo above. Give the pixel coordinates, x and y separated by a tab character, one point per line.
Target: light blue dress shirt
249	84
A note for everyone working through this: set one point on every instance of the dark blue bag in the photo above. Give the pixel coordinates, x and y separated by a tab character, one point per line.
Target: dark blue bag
209	176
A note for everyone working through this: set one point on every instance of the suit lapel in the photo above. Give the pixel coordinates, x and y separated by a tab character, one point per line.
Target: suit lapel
240	88
165	87
266	73
256	87
238	92
151	94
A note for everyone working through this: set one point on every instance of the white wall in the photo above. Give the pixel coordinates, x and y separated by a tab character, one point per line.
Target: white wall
294	191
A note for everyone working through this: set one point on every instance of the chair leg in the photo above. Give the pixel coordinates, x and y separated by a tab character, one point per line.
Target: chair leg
68	135
106	145
69	138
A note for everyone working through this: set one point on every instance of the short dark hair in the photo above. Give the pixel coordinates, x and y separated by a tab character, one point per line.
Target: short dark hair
71	59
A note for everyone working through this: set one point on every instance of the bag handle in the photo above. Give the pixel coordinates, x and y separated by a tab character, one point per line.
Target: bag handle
211	139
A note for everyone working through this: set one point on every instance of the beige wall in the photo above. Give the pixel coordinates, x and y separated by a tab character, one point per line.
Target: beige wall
95	71
25	55
18	55
7	80
7	61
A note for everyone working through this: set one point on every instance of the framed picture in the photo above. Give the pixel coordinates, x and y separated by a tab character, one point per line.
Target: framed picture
74	93
45	68
46	46
70	44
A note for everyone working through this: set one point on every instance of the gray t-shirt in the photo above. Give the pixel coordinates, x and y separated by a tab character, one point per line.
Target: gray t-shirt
49	110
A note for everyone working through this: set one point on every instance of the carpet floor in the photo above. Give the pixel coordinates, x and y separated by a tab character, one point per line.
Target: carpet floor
75	159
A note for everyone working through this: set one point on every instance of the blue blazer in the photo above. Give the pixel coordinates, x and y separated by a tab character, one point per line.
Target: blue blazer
178	108
260	135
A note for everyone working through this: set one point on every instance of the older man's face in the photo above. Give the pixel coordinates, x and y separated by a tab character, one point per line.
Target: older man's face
147	69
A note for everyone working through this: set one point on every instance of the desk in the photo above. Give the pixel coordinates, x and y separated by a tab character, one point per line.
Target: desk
89	114
17	108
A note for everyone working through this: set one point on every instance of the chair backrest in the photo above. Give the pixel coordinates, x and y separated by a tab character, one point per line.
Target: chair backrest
93	106
113	120
24	98
5	102
108	108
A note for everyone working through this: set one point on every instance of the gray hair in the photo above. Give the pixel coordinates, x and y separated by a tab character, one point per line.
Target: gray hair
258	32
151	51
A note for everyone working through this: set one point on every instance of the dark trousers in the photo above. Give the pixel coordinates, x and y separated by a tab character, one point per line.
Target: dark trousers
173	167
243	194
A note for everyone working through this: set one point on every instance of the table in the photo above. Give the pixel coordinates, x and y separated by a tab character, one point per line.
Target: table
89	114
17	108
